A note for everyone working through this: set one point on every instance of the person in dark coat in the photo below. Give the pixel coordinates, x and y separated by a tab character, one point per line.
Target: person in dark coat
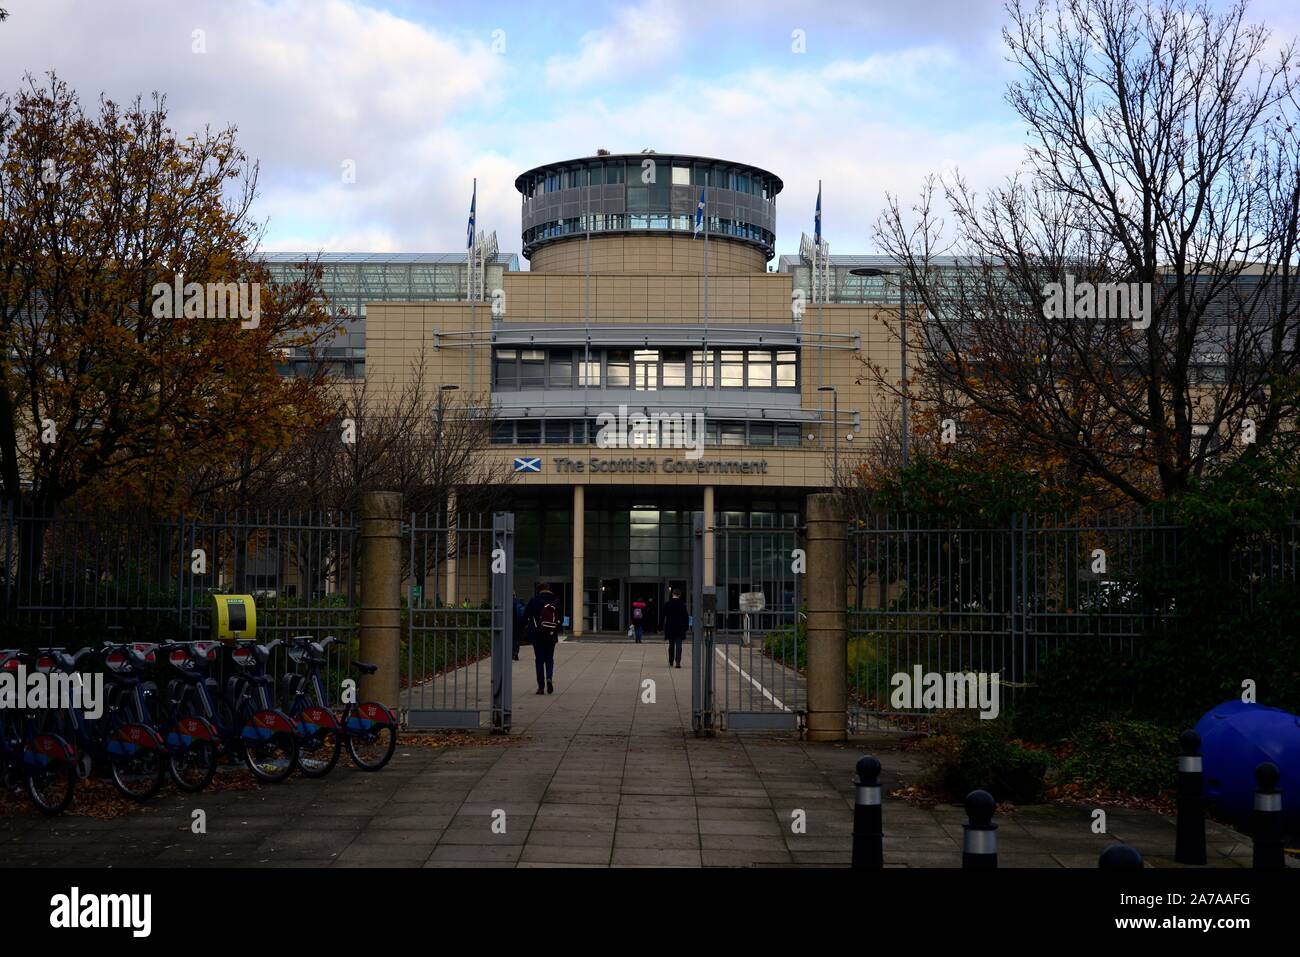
677	622
544	642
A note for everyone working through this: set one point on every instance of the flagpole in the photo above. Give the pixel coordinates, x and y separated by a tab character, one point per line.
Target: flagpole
469	279
821	315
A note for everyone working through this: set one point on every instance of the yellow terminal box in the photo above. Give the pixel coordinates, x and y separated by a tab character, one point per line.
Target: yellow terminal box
233	616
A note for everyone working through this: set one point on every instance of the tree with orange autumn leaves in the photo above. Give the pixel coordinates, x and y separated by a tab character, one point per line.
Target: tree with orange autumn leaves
103	393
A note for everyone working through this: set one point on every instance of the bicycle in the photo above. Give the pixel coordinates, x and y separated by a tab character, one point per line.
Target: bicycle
132	749
265	738
42	761
191	740
369	728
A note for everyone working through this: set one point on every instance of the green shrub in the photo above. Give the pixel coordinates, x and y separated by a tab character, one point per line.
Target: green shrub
1128	757
978	756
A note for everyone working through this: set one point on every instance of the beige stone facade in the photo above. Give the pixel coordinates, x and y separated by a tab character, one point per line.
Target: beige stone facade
648	292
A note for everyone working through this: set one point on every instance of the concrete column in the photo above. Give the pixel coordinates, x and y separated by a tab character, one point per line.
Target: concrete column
709	564
825	580
381	594
579	558
453	549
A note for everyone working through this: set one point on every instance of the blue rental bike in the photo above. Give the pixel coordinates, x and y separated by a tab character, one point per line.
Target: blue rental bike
132	750
369	728
41	763
247	727
192	742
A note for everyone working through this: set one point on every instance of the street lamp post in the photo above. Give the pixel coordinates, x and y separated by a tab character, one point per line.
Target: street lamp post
835	426
902	324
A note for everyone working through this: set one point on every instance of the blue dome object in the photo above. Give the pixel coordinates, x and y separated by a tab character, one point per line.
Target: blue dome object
1235	738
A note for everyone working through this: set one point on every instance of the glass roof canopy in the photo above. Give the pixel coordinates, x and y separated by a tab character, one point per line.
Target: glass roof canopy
350	280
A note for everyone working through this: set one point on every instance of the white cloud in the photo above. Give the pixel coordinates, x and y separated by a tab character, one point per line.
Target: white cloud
641	37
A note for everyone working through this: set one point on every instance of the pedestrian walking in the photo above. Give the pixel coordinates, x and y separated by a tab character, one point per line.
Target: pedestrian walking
543	616
638	619
676	623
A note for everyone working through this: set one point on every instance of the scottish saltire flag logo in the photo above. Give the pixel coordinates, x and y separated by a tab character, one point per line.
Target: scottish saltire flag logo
699	213
817	218
469	229
528	464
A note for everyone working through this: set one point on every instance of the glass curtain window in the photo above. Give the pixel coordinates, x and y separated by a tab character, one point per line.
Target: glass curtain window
702	368
733	368
532	369
589	371
760	369
646	370
618	370
674	375
505	368
787	365
561	369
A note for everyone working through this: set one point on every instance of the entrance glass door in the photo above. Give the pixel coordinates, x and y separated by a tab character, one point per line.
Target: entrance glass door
611	609
651	594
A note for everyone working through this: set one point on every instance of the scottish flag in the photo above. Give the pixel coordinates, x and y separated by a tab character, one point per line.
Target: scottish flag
469	230
528	464
817	218
699	213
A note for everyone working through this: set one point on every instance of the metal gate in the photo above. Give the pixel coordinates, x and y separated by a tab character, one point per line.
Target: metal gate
459	622
748	630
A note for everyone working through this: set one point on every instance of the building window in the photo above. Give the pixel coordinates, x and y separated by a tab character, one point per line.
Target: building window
506	371
760	369
681	176
646	370
702	368
528	431
618	369
503	433
788	435
674	375
557	432
787	366
532	369
761	433
733	433
733	368
561	369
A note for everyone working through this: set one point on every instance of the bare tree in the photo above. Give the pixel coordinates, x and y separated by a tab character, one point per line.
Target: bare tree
1163	153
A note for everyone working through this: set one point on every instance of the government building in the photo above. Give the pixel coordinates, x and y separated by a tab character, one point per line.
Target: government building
654	364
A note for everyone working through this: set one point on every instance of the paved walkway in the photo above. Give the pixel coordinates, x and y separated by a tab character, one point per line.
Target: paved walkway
597	778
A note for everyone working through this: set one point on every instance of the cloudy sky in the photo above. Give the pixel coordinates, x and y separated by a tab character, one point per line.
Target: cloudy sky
423	96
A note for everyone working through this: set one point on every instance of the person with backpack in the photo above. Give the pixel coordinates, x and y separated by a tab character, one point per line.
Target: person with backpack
638	619
543	617
677	622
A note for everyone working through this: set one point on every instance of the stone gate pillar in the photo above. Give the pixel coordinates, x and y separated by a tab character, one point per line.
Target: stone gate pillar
381	595
825	580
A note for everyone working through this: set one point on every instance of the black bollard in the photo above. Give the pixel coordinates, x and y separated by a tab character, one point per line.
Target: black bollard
1266	821
980	841
1120	857
1189	840
868	825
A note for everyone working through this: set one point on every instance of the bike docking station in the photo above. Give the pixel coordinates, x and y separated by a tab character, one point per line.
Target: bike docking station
233	617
